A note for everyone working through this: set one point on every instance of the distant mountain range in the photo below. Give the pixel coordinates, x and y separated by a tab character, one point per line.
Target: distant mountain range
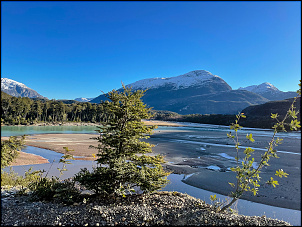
195	92
18	89
269	91
202	92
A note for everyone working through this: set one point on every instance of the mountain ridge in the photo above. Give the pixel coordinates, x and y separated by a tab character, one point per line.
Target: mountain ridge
197	91
269	91
178	82
200	92
18	89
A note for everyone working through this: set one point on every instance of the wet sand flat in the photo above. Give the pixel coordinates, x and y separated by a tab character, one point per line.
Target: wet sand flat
79	143
209	155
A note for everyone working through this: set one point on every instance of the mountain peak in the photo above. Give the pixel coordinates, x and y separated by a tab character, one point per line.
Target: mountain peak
18	89
83	99
196	77
9	83
261	88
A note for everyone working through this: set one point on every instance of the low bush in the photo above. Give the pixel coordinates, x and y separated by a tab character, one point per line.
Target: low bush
52	189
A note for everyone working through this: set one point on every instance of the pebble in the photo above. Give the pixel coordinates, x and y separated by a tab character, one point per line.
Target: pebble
159	208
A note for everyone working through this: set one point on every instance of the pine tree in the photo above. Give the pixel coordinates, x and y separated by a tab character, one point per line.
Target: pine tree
122	163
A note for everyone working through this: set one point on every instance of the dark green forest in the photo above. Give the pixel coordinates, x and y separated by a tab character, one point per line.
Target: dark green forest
25	111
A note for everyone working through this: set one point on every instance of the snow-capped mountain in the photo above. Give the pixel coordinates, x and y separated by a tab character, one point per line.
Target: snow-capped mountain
18	89
198	91
197	77
83	99
269	91
261	88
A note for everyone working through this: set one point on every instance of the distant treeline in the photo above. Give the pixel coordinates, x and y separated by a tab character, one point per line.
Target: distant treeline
216	119
24	111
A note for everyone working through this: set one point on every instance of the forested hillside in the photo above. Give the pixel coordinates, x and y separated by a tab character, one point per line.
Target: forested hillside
16	111
257	116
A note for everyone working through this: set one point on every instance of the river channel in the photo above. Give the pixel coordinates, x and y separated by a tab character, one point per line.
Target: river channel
188	144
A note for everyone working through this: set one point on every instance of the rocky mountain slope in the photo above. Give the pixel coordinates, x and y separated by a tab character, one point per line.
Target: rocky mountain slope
18	89
198	91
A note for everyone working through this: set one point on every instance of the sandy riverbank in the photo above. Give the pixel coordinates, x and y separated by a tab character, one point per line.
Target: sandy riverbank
78	143
28	159
182	159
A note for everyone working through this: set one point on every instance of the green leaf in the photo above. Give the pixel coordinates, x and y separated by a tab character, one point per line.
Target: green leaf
213	197
299	91
254	190
242	115
232	184
292	113
230	136
272	182
250	137
274	116
278	141
248	150
280	173
294	125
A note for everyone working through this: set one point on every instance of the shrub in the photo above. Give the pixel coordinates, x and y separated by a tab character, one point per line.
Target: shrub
9	149
52	189
120	170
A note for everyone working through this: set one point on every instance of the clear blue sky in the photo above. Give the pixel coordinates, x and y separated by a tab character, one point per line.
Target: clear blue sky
66	50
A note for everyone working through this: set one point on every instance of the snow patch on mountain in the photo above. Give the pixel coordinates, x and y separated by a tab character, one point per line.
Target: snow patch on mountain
7	84
197	77
18	89
83	99
261	88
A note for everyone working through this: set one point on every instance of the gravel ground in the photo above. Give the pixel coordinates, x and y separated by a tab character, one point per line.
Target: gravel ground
159	208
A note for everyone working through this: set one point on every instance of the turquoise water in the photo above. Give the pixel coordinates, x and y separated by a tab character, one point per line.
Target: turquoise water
30	130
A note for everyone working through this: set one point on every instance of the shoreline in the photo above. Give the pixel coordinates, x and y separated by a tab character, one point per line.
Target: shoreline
147	122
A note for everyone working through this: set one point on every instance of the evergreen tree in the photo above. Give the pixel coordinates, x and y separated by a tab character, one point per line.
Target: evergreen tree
10	149
122	163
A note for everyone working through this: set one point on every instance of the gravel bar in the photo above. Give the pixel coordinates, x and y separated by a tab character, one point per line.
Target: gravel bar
159	208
